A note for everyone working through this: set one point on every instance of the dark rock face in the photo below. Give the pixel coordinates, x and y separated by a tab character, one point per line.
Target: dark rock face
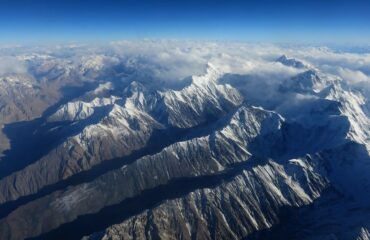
125	158
291	62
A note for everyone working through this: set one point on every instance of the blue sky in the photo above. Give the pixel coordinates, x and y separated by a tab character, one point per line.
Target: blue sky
257	20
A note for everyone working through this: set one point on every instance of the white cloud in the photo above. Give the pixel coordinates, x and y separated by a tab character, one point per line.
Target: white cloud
11	65
173	60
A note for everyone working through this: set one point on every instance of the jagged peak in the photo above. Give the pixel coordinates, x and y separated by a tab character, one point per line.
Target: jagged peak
311	75
133	87
310	81
246	116
212	74
364	234
291	62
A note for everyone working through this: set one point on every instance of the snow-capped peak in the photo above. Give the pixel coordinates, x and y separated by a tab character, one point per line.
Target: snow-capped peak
310	81
211	75
78	110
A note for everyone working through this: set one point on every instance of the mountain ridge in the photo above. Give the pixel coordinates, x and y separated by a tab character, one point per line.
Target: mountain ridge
242	162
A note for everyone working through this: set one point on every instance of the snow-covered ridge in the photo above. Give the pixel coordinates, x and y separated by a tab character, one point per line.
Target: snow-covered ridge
235	205
203	98
310	81
308	135
352	104
250	122
17	81
79	110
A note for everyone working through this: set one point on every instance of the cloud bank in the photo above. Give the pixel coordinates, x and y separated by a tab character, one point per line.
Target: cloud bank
172	60
12	65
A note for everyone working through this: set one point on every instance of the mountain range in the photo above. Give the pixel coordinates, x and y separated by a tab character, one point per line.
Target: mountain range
97	146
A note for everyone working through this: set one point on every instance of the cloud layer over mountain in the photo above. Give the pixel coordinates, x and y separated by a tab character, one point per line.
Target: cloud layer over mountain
173	60
170	131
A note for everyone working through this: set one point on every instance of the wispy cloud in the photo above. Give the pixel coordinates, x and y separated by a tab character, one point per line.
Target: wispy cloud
11	65
173	60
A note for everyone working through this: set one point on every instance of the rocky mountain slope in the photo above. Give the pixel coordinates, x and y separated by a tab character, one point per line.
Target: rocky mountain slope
121	157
